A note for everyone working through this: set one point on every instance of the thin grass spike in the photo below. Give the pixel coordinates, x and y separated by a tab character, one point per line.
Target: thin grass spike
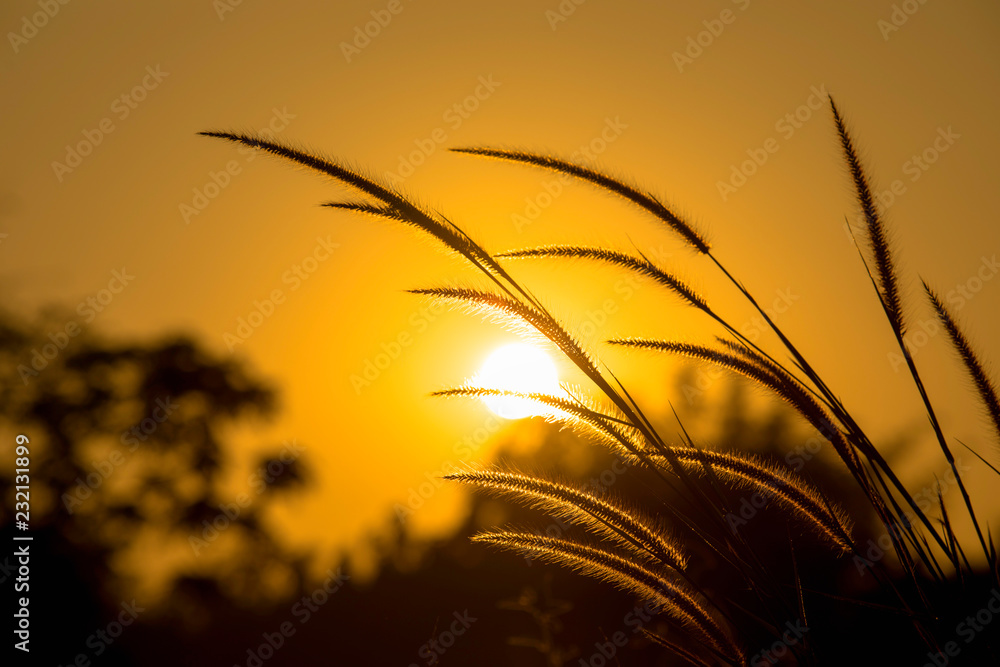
973	366
877	236
889	295
514	313
397	206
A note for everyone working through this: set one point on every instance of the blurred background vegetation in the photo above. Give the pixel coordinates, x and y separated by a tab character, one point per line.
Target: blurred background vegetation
135	480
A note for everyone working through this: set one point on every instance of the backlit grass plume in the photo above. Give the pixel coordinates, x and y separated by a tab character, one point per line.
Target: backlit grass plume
518	316
640	265
603	181
632	532
574	411
649	551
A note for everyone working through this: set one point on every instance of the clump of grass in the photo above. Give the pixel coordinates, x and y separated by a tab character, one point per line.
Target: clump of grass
629	546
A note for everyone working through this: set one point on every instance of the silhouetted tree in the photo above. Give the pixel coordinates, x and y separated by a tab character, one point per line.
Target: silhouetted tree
127	451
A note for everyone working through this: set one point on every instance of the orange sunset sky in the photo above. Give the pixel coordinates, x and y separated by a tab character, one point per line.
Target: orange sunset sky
717	107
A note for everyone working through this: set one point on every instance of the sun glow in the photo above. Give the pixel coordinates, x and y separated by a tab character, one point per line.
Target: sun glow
518	367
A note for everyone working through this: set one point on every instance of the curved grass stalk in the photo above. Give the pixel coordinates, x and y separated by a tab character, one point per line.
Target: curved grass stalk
658	210
619	187
394	204
517	298
804	501
612	431
626	527
516	314
455	239
754	366
639	265
652	205
823	422
671	598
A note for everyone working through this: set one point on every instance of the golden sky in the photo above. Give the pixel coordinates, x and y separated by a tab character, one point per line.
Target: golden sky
104	173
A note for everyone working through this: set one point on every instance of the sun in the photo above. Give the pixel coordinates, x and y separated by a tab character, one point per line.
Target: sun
518	367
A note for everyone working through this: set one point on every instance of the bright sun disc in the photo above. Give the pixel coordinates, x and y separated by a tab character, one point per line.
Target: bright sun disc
518	367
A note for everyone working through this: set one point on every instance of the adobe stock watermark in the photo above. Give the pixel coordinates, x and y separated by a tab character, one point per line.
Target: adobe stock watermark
432	651
303	610
562	12
7	569
102	638
30	25
898	17
926	499
957	298
105	467
968	629
220	180
597	485
121	108
786	126
635	620
772	655
264	308
552	188
454	116
363	35
595	319
706	376
696	44
223	7
258	481
59	339
798	457
464	450
915	167
420	320
373	367
749	509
